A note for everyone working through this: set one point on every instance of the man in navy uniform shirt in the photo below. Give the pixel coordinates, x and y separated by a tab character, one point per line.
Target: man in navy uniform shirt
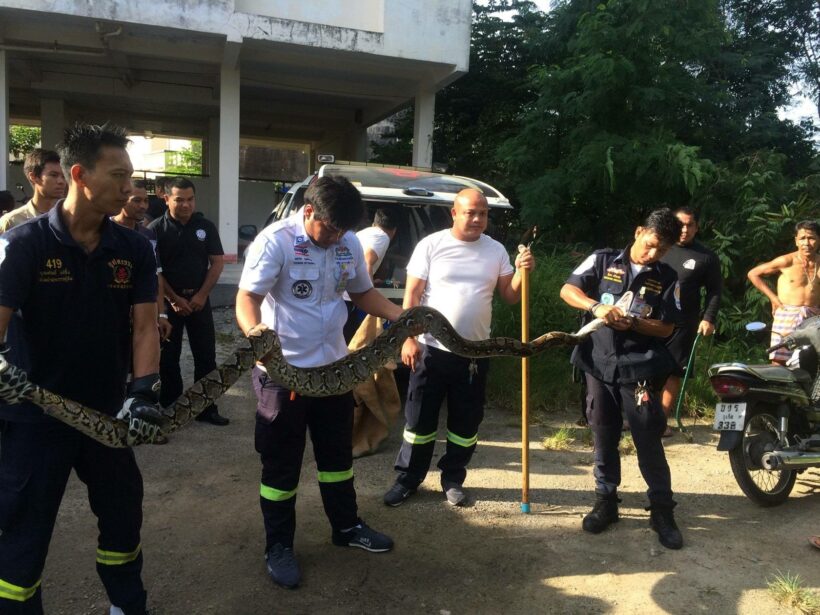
192	260
626	362
86	290
697	268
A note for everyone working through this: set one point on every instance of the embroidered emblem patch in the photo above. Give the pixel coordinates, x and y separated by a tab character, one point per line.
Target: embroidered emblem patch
201	234
121	272
301	289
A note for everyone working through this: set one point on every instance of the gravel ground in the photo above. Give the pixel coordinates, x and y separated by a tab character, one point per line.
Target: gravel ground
203	537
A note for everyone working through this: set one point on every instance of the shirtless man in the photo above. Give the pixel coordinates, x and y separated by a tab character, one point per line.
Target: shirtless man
798	290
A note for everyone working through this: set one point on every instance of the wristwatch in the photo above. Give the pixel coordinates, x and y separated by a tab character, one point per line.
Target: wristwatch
165	316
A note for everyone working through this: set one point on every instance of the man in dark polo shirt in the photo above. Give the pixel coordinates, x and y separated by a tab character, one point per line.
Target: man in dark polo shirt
192	260
698	268
86	291
132	216
625	364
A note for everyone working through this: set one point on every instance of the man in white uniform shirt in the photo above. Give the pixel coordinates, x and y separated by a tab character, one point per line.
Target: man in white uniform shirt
293	280
456	272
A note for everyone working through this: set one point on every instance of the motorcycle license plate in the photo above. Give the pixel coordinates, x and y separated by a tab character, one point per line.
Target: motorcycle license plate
730	417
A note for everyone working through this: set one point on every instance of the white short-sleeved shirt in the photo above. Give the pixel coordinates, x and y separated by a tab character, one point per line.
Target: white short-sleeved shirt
303	286
374	238
461	278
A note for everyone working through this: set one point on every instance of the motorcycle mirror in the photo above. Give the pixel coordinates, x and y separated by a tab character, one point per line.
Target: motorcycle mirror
755	327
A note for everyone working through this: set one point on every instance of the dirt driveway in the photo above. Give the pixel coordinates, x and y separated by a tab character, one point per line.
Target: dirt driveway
203	537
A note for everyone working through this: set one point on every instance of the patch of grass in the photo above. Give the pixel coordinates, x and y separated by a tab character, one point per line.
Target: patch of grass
560	440
563	438
788	590
626	446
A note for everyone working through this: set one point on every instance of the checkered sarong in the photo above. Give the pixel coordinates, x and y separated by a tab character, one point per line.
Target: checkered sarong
786	319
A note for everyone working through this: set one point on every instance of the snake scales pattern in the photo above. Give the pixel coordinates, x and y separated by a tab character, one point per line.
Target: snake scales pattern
332	379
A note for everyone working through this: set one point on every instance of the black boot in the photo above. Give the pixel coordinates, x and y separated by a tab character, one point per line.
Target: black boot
603	514
662	520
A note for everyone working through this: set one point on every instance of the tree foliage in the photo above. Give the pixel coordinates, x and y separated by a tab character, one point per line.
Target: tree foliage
23	139
640	103
186	161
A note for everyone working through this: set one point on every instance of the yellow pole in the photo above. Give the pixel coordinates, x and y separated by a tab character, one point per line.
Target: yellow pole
525	393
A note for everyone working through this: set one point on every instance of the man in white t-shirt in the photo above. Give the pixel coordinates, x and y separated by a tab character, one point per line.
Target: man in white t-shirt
455	271
375	240
293	280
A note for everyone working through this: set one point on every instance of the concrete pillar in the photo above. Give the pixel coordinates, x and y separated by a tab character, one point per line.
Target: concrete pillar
355	145
4	121
52	122
228	172
423	127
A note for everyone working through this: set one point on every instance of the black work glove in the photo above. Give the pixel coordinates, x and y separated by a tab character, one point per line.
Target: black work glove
14	384
142	412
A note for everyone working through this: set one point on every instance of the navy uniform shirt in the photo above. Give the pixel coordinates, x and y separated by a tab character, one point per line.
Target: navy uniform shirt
184	249
75	307
697	267
625	356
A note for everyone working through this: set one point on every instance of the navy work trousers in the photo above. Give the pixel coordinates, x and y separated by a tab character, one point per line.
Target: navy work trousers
438	376
35	462
201	337
281	424
607	405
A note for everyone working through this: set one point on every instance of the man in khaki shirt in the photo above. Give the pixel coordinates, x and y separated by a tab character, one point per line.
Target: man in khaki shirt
42	168
798	290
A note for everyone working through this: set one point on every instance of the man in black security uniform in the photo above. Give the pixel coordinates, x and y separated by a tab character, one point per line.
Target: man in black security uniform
192	260
156	202
77	278
625	364
697	268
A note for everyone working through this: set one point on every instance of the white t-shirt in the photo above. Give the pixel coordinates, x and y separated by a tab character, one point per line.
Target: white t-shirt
374	238
303	286
461	278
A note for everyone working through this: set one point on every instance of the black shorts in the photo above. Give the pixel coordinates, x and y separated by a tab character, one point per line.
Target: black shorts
680	345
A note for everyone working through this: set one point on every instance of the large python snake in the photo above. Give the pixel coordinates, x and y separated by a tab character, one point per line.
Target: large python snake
263	345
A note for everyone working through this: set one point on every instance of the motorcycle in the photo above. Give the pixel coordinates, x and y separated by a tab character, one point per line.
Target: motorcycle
769	416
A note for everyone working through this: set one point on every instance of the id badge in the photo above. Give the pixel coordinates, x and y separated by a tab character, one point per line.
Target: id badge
344	275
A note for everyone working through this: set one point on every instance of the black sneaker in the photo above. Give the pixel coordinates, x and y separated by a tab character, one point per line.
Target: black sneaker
662	520
363	537
456	494
282	566
602	515
397	494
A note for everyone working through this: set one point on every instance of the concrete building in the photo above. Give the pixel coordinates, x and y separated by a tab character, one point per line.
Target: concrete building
309	74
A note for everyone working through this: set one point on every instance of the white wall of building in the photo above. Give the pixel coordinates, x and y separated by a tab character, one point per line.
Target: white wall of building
429	30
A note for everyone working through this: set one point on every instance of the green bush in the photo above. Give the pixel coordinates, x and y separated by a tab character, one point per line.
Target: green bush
551	386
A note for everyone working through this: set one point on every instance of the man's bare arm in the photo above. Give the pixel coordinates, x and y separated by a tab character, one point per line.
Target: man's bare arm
772	267
217	262
373	302
145	340
509	286
370	258
413	292
248	310
5	319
